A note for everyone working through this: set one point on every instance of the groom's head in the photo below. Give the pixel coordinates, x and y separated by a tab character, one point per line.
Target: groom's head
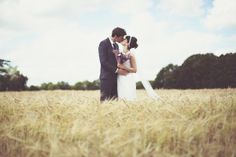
118	34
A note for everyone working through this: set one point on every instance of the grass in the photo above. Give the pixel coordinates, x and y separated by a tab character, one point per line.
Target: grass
191	123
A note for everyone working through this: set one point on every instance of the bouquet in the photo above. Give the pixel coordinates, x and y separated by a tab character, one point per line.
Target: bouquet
121	57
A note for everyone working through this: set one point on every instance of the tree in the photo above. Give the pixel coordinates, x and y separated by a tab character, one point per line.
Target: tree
11	78
79	86
87	85
33	88
16	82
139	85
226	71
95	85
197	71
62	85
200	71
3	64
44	86
164	77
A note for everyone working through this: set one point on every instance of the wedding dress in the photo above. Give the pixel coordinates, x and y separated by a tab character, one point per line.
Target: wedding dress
126	84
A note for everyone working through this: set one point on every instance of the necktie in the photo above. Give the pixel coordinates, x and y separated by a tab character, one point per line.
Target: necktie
114	46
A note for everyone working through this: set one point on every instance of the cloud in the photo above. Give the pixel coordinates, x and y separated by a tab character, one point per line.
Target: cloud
131	6
164	42
186	8
46	43
221	15
159	45
62	54
40	15
50	42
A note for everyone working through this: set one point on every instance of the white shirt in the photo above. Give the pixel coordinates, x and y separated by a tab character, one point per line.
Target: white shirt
112	42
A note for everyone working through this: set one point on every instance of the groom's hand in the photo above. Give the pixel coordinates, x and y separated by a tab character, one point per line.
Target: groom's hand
122	72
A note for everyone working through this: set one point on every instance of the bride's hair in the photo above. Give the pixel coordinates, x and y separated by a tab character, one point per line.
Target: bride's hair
132	43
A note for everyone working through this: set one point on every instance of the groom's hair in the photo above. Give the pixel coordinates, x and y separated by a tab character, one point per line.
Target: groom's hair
118	32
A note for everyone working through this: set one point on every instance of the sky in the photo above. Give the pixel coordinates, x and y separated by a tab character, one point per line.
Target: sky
57	40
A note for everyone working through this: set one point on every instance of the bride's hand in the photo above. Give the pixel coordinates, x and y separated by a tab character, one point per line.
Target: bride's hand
115	51
122	72
121	66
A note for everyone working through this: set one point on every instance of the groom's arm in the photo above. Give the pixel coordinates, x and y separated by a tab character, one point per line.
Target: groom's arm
104	60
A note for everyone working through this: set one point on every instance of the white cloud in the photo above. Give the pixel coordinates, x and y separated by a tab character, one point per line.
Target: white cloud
194	41
159	46
33	15
187	8
48	42
222	15
131	6
65	54
149	33
60	49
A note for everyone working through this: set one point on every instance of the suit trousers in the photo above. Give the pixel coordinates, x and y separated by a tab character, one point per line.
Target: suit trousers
108	89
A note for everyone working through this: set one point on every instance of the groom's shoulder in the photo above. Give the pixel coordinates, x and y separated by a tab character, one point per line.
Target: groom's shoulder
104	41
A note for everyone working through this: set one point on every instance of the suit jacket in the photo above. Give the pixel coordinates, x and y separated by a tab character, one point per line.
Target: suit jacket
107	60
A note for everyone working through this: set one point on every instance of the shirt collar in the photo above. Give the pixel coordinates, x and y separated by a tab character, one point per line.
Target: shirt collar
112	42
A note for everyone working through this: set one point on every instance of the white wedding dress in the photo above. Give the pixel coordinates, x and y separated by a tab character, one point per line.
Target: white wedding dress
126	85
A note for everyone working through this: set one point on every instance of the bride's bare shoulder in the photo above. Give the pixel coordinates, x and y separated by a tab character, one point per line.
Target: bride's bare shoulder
131	54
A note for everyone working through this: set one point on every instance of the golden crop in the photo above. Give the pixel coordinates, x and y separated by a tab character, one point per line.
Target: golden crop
191	123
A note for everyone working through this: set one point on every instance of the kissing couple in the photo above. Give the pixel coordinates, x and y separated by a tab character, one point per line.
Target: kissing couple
118	68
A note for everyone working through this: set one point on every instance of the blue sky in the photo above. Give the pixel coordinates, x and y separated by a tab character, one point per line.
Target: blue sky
57	40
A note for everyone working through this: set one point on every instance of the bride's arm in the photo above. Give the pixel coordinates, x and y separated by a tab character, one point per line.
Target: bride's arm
133	67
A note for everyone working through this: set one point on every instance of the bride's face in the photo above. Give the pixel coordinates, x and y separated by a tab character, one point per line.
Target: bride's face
124	42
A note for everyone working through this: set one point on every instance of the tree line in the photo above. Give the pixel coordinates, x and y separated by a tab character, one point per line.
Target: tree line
83	85
197	71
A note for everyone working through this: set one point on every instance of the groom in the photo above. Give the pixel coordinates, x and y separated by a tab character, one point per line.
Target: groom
109	70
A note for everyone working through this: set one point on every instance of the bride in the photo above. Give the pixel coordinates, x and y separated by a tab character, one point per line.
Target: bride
126	84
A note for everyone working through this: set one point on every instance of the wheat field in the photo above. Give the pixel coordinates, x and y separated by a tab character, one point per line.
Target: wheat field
184	123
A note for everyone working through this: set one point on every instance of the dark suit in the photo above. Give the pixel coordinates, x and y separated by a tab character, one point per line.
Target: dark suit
108	75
